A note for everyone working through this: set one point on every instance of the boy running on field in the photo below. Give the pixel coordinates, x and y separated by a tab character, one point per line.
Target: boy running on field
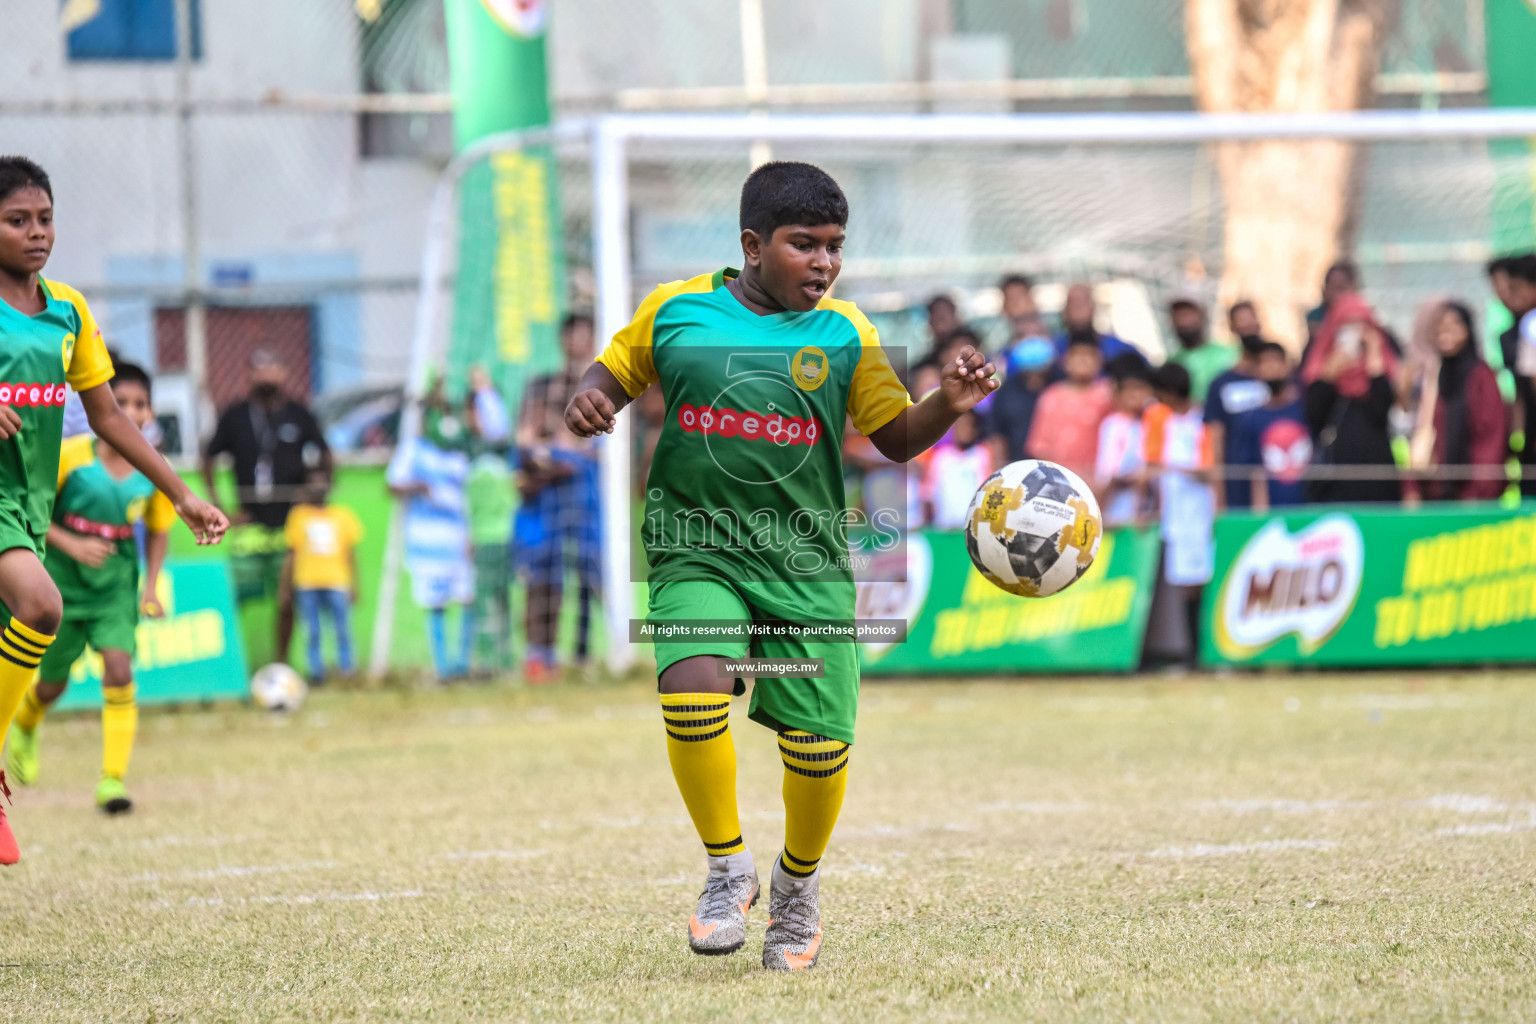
744	516
94	561
48	338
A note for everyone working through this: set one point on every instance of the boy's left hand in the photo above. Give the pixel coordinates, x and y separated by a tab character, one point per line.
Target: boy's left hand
150	606
967	380
206	521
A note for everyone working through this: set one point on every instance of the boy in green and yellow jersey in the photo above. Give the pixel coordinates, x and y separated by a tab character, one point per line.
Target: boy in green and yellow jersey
746	520
94	560
49	343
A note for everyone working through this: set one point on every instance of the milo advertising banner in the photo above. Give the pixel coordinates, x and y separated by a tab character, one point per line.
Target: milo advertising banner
191	654
961	623
1362	588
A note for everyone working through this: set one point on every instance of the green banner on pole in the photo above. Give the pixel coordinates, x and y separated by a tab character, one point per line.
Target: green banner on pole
510	284
1361	588
1511	49
193	654
960	623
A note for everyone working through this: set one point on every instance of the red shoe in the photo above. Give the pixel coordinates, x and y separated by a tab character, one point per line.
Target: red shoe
10	853
538	672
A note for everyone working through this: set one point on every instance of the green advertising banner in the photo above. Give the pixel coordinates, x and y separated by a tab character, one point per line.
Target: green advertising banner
511	280
960	623
192	654
1362	588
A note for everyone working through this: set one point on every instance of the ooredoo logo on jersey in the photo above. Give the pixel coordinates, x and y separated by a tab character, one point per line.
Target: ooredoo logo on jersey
24	396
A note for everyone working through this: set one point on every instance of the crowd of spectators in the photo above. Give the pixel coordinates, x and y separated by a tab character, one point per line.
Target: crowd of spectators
1356	415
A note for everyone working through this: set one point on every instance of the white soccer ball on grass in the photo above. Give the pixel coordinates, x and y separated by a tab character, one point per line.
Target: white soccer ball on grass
277	687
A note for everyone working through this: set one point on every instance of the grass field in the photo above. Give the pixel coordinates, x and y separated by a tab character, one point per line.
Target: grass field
1275	848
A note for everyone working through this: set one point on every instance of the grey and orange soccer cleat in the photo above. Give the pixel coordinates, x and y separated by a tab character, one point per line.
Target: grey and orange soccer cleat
793	941
719	924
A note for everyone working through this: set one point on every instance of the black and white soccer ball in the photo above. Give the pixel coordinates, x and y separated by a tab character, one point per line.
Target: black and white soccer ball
1033	528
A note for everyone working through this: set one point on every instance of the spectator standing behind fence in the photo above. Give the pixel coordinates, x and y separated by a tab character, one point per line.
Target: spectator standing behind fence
1204	359
1514	280
1467	414
1067	418
1020	314
1272	439
321	571
1349	396
956	472
559	524
274	442
1014	402
1077	317
1342	278
429	473
1178	454
1236	391
1119	479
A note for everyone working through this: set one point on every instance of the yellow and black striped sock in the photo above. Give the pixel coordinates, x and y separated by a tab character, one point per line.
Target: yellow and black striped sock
21	651
119	725
30	715
815	780
703	760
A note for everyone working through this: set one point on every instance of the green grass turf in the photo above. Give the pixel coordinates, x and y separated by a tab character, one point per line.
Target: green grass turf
1273	848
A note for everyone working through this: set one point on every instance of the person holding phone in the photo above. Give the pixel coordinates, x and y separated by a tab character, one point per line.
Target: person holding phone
1348	376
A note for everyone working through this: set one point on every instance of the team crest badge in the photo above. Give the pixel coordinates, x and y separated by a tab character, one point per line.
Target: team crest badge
809	369
68	350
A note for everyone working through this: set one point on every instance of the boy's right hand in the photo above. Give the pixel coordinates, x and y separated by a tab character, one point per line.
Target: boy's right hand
10	423
89	551
590	413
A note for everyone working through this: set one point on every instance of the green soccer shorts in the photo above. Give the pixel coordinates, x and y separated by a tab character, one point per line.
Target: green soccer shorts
14	532
109	624
825	707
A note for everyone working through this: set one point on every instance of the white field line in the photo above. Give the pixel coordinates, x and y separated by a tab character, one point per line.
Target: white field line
300	900
235	871
1489	828
1228	849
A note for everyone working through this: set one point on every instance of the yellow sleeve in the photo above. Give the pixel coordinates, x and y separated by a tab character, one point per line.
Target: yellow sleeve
161	514
89	365
73	453
628	355
876	395
293	529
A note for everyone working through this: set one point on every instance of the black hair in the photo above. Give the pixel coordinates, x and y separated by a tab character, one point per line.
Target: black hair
1347	268
1172	379
1522	268
789	192
1015	279
1084	336
1242	304
964	334
572	319
131	373
1498	265
17	173
1183	303
1272	348
1128	366
940	300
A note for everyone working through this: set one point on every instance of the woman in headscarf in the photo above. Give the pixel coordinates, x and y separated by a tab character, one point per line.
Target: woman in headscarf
1468	416
1349	395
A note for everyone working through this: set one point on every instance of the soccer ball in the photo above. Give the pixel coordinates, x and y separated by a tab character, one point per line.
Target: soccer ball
1033	528
277	687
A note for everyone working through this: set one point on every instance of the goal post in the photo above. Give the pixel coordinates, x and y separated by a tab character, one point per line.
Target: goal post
1109	196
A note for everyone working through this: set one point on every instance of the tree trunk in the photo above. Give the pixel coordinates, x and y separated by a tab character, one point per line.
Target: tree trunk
1286	203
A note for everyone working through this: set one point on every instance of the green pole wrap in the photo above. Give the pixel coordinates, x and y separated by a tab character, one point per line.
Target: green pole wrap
1511	28
511	276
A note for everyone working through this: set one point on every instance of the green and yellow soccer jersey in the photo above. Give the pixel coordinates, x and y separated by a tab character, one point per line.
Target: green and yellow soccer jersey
38	356
746	485
95	503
